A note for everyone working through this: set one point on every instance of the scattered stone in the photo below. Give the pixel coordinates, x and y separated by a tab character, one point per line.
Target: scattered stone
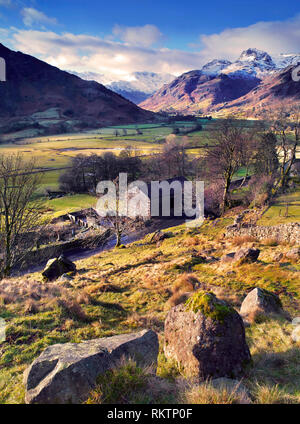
260	303
246	255
66	373
278	257
227	258
58	267
293	254
159	236
206	337
234	387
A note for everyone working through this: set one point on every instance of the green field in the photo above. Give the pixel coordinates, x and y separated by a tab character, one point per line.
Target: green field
55	152
64	205
284	209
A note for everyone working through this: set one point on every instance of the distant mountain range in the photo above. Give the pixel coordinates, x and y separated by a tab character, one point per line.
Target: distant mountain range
38	98
137	87
231	86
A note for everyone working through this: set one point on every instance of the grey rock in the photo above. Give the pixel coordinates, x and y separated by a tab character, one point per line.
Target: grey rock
209	342
66	373
246	255
260	303
227	258
57	267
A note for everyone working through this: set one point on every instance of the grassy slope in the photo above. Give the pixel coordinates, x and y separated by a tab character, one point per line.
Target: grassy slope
139	282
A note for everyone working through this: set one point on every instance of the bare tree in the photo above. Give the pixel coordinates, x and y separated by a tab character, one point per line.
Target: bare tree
20	214
227	155
285	124
120	223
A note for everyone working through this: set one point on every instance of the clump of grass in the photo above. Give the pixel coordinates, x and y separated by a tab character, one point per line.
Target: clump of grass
31	307
84	298
207	394
270	395
71	309
119	385
240	240
185	283
270	242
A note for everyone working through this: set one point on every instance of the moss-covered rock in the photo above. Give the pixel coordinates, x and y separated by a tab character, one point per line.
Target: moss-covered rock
206	337
209	305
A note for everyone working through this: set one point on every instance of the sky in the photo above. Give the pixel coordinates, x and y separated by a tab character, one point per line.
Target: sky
118	37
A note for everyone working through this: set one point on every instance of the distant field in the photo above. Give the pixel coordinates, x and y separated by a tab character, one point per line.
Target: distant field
63	205
56	151
286	208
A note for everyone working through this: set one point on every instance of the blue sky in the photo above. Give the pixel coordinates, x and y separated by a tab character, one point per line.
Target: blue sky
121	36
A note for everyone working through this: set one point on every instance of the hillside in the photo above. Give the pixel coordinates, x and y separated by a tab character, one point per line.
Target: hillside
272	92
42	97
221	86
126	290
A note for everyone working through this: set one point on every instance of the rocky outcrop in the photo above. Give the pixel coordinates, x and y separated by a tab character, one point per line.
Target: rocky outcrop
66	373
244	255
206	337
260	303
58	267
289	233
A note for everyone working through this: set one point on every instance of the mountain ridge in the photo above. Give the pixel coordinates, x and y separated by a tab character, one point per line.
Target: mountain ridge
41	96
220	84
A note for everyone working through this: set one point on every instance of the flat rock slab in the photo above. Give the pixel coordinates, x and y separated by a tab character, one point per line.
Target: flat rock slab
66	373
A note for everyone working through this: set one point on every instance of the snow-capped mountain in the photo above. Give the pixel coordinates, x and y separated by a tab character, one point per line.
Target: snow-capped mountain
284	60
221	83
137	86
141	85
215	67
252	63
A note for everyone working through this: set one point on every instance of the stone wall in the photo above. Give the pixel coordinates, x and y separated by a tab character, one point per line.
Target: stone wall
282	233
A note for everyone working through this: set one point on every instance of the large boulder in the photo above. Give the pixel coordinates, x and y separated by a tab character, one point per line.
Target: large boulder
57	267
66	373
206	337
246	255
260	303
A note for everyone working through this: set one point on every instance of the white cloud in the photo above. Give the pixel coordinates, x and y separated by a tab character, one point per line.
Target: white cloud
32	16
89	53
144	36
274	37
86	53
